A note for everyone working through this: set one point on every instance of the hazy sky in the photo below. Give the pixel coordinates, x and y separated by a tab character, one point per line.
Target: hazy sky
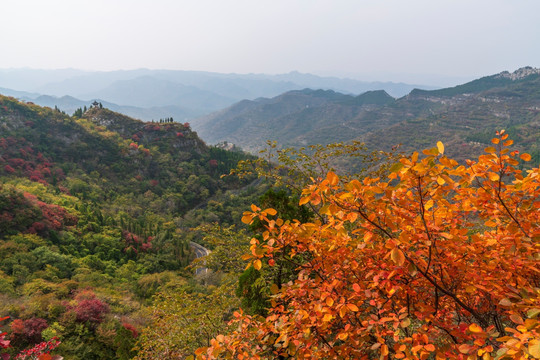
400	40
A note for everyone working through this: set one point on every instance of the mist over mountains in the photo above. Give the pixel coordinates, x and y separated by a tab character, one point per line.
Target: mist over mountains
184	95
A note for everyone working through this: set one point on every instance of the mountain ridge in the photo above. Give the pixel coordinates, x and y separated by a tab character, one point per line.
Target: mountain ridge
501	101
189	94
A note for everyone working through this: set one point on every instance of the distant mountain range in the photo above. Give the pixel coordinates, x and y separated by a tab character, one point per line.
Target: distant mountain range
465	117
153	94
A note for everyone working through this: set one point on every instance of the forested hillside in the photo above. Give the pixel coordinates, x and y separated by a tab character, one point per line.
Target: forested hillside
91	222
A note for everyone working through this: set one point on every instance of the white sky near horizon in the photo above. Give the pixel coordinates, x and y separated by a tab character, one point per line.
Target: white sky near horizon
389	40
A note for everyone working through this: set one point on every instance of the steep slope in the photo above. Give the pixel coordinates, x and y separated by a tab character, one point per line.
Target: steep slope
89	214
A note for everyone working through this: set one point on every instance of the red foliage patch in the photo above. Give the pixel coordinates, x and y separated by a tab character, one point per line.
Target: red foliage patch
131	328
28	330
89	308
19	156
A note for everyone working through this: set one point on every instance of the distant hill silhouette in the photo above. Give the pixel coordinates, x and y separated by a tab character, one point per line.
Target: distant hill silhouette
465	116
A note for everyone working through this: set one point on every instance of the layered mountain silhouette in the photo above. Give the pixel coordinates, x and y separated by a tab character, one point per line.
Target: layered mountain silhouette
465	116
153	94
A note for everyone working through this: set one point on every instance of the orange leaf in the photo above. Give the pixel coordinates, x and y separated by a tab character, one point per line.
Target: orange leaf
329	301
517	319
270	211
353	307
429	347
464	348
332	178
356	287
475	329
257	264
397	256
490	149
495	140
525	157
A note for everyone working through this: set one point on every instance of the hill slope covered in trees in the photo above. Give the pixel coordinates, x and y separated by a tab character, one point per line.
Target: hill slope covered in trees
91	222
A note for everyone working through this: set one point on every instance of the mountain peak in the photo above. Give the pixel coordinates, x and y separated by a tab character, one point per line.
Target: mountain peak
519	74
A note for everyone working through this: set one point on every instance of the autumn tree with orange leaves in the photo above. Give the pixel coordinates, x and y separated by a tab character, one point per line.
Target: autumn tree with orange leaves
438	260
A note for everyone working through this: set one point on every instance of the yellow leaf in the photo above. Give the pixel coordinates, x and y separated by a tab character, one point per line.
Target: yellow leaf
396	167
246	219
490	149
525	157
397	256
352	307
303	200
270	211
475	329
274	289
440	181
327	317
534	348
493	177
440	147
257	264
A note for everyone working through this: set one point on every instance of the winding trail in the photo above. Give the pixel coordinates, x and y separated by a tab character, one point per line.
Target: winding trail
200	251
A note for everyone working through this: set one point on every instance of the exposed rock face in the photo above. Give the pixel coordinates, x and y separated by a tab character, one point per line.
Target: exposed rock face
519	73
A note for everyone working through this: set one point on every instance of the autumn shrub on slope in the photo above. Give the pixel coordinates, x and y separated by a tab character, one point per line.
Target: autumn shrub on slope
439	260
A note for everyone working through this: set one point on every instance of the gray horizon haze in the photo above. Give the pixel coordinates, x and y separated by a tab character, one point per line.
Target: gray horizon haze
440	43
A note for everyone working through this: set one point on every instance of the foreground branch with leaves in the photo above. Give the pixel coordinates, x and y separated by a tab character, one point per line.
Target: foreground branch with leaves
437	260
